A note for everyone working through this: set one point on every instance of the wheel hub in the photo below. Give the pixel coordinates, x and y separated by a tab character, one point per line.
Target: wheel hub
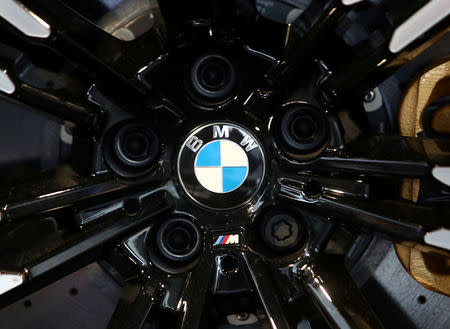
221	165
218	163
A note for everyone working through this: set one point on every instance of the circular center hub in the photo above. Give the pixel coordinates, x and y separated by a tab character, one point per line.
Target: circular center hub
221	165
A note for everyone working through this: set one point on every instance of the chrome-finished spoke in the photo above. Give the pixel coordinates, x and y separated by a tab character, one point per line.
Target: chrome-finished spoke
266	291
400	219
335	294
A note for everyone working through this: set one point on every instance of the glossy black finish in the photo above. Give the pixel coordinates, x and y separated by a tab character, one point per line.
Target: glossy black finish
109	202
402	219
132	315
303	128
213	77
131	149
179	240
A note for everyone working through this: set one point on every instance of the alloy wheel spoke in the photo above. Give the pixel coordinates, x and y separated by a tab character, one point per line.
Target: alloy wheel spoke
73	32
62	94
335	294
388	155
110	63
265	289
399	219
58	107
133	307
55	190
63	254
368	63
184	179
197	286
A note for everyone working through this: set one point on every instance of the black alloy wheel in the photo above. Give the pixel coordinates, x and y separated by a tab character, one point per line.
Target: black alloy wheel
211	166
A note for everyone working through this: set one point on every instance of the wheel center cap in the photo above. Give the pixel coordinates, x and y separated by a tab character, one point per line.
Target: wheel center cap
221	165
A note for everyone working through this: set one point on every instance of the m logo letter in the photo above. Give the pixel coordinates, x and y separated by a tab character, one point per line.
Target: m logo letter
221	133
194	144
233	239
249	143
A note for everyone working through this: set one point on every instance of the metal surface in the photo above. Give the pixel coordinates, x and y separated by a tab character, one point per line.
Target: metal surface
24	20
442	174
6	85
9	281
399	299
350	2
439	238
58	221
401	219
424	19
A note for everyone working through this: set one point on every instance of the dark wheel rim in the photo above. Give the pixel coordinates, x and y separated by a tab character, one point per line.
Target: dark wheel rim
115	198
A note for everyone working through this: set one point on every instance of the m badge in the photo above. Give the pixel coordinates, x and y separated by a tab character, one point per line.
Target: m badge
229	239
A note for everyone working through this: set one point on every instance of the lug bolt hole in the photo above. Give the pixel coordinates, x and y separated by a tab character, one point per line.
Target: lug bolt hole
132	149
304	129
213	77
312	189
135	146
228	264
179	240
421	299
131	207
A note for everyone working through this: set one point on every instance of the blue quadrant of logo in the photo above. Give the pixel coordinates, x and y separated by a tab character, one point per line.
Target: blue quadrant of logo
209	156
233	177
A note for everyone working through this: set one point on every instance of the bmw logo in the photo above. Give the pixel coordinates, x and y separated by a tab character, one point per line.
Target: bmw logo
221	165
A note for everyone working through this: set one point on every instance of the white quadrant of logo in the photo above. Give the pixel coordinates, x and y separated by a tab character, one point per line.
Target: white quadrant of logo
221	166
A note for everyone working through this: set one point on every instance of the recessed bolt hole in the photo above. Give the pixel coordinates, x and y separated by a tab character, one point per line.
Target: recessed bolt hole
421	299
131	207
134	149
303	127
73	291
312	189
242	316
213	76
228	264
370	96
27	303
179	240
136	145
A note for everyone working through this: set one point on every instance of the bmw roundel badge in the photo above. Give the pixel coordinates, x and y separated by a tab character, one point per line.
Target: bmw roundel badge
221	165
